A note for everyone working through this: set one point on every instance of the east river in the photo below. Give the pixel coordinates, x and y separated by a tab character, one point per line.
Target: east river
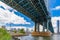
52	37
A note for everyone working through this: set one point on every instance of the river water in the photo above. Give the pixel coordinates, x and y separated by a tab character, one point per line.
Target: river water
53	37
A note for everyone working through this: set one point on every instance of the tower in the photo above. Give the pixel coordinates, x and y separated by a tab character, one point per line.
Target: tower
58	26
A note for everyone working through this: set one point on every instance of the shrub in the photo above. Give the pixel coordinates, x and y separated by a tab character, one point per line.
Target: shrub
4	35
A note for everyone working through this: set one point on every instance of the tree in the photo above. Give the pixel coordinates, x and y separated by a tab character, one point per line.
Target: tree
4	35
22	31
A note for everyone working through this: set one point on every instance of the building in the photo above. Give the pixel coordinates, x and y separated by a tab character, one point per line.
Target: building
58	26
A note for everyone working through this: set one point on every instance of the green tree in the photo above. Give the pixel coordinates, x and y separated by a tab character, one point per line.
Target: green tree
15	31
4	35
22	31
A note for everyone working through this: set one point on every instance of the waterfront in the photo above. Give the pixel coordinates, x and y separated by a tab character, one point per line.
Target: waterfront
52	37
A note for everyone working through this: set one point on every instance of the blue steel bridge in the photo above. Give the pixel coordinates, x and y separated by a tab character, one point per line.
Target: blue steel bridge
34	9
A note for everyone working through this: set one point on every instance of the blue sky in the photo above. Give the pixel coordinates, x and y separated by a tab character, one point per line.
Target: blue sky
54	6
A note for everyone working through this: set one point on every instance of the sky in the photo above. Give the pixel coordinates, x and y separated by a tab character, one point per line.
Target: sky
54	8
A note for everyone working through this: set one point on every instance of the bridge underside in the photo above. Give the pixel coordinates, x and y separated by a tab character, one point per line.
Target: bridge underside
34	9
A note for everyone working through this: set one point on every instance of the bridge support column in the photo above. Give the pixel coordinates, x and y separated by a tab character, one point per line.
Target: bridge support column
36	27
43	26
47	25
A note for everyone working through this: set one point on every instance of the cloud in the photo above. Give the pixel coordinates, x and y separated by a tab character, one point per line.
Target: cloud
10	17
54	23
56	8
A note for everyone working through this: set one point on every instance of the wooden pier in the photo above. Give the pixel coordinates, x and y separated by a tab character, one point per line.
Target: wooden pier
41	34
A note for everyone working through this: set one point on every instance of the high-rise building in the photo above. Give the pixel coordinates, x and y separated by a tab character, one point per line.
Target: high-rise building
58	26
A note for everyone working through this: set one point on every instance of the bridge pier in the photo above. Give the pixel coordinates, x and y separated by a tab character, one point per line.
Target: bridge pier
47	25
43	33
36	29
43	26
